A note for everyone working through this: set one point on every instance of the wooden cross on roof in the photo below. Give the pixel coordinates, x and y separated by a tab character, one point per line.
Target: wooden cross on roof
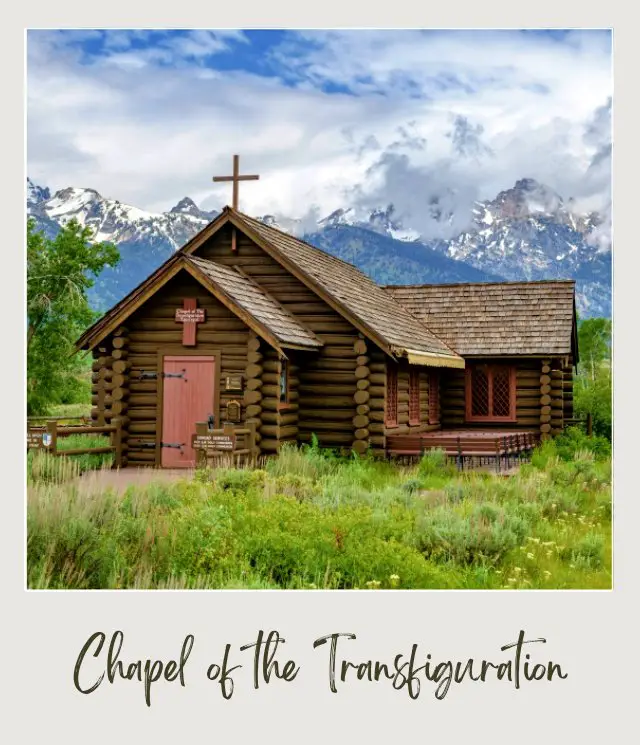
236	178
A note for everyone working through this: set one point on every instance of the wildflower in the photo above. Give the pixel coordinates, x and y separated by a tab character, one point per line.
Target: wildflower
517	570
547	573
511	580
373	584
549	554
529	556
394	579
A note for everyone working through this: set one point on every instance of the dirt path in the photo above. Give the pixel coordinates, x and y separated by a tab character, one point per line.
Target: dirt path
119	480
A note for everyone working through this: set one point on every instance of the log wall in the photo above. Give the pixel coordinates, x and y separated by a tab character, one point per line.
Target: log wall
152	328
326	380
528	397
403	401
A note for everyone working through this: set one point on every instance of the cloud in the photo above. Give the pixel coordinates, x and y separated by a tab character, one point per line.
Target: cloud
326	118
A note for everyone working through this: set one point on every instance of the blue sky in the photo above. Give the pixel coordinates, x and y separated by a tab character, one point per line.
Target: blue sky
327	118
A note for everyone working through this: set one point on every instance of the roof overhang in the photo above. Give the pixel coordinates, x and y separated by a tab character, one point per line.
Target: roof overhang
433	359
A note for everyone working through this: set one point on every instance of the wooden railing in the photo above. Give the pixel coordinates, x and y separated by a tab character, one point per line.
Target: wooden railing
232	444
46	438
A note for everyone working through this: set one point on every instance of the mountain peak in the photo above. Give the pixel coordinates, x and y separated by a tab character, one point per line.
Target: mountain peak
186	206
36	193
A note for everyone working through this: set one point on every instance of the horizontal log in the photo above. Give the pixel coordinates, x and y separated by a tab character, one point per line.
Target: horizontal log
363	409
363	360
360	446
329	402
545	428
141	456
120	342
378	378
376	404
253	411
380	367
360	346
361	372
323	426
339	353
545	400
273	404
545	380
331	415
269	445
362	385
331	364
359	421
330	378
319	390
254	358
361	434
142	428
545	417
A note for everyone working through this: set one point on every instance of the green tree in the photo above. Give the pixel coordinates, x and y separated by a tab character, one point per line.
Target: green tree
59	274
593	393
594	342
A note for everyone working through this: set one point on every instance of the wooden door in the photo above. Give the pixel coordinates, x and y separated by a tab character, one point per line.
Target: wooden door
188	397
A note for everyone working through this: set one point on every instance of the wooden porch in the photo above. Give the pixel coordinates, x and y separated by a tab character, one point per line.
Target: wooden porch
469	447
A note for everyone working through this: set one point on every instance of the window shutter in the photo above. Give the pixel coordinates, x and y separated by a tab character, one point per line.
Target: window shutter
391	418
434	398
414	395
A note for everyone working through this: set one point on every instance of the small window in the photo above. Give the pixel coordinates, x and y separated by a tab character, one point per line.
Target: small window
391	418
490	393
414	395
284	382
434	398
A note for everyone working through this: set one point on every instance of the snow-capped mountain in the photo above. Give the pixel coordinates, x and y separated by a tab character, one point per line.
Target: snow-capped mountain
526	232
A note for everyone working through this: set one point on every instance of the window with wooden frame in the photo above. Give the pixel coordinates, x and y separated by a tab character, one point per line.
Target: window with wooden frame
434	397
414	395
490	393
283	384
391	411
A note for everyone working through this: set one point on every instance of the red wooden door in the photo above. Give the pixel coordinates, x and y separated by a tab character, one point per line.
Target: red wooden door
188	397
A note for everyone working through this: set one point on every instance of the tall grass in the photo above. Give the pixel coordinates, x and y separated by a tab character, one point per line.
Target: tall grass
311	520
45	468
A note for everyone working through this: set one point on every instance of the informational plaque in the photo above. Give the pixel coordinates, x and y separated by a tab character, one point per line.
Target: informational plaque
233	383
234	411
38	440
213	443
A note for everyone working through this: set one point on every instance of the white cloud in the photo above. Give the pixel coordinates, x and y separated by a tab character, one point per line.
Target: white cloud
148	126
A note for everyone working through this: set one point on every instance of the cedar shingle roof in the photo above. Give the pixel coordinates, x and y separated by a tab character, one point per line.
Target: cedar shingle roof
501	318
257	303
355	292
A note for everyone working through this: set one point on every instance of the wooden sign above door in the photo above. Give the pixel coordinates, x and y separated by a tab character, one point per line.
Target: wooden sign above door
190	316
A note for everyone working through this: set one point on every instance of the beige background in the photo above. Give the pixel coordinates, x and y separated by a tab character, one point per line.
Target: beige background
591	634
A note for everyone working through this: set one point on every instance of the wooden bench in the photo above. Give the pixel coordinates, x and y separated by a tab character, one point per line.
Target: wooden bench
500	447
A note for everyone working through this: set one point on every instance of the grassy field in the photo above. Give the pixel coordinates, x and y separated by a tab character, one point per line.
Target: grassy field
311	520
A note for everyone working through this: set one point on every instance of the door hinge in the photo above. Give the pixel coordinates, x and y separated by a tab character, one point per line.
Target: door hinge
176	375
178	445
147	375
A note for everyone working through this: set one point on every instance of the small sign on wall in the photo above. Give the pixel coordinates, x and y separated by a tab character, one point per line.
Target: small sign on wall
234	412
233	383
